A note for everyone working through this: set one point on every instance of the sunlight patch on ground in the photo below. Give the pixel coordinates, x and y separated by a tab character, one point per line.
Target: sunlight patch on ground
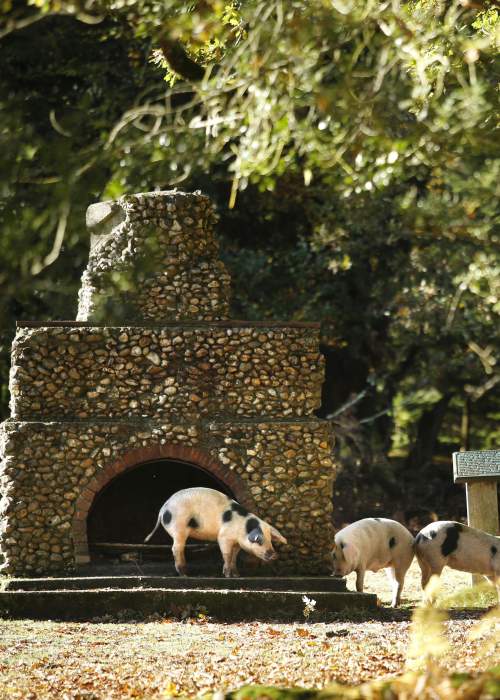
451	582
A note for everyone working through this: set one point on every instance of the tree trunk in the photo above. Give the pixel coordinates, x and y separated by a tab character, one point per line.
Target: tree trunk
429	425
465	425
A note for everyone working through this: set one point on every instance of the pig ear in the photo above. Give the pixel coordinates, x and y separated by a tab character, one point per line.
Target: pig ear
276	536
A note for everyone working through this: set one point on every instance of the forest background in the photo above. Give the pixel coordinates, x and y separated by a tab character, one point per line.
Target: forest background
352	150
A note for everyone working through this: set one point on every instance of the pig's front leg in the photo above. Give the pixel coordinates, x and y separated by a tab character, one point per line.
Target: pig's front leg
360	579
234	557
229	550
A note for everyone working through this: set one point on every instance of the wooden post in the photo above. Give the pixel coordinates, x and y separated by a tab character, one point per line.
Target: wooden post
482	510
482	505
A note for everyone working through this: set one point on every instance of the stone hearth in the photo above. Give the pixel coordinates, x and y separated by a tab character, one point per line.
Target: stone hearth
154	371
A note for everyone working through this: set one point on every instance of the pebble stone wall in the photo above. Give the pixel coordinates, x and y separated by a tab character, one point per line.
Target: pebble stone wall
51	467
194	371
89	401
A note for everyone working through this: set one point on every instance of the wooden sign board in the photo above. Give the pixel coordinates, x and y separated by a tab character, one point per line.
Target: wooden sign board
481	465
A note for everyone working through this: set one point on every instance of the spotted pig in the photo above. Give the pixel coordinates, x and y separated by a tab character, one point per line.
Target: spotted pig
447	543
372	544
207	514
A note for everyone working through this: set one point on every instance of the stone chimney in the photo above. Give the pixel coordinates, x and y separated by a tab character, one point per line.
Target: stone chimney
154	258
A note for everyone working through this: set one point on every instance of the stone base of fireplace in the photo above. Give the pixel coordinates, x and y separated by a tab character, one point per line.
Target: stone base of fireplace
136	597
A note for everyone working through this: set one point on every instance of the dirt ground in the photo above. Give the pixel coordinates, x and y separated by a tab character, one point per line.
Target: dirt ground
164	657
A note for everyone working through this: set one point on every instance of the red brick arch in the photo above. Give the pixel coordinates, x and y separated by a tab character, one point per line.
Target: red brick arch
134	458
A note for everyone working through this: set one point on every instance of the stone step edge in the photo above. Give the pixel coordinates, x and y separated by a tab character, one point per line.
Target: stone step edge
227	605
327	584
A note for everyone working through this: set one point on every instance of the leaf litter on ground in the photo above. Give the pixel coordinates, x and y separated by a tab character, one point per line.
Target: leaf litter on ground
160	658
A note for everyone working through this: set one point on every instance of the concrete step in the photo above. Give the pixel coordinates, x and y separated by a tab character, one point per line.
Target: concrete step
248	583
222	604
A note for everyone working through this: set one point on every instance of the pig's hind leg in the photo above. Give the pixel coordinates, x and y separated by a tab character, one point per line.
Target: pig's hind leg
178	550
395	585
396	573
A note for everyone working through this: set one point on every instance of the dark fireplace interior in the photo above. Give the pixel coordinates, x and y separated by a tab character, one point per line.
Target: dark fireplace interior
125	511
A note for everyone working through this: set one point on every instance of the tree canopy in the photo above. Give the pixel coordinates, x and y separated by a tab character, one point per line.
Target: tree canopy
353	150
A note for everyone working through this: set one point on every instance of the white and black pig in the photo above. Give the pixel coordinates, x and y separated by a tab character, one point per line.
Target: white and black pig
447	543
372	544
207	514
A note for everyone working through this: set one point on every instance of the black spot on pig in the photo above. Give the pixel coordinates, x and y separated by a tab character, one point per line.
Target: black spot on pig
342	545
377	519
252	524
433	534
392	542
494	550
166	517
419	539
193	523
450	542
227	516
239	509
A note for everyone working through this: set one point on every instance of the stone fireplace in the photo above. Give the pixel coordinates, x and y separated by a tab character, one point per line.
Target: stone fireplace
153	389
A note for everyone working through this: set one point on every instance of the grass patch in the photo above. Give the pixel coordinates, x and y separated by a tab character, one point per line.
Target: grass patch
454	686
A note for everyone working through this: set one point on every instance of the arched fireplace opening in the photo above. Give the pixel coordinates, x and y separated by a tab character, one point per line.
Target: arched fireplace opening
124	512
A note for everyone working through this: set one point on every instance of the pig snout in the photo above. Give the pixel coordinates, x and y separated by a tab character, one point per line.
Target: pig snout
258	539
339	570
